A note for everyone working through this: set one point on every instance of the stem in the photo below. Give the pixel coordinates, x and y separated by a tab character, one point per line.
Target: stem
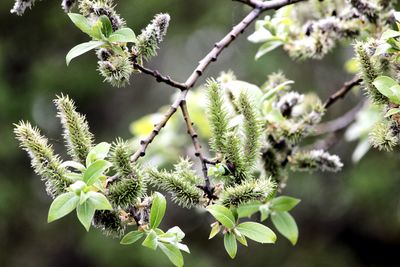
341	93
212	56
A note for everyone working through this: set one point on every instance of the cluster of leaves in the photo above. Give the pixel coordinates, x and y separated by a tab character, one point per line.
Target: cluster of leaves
312	29
378	65
100	182
233	231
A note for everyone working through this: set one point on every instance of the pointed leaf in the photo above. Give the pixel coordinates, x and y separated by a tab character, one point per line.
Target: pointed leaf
173	254
82	49
124	35
151	240
214	230
248	209
100	151
131	237
81	22
230	244
388	87
106	28
257	232
62	205
223	215
95	171
85	214
99	201
157	211
284	203
74	165
286	225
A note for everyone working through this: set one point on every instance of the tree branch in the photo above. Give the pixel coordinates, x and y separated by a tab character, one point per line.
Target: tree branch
259	7
341	93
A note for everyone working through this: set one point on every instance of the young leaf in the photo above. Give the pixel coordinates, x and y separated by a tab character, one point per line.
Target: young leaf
62	205
81	22
284	203
286	225
241	239
82	49
392	112
173	254
257	232
95	171
151	240
157	211
131	237
106	28
74	165
124	35
223	215
230	244
388	87
264	211
248	209
214	230
85	214
268	46
99	201
98	152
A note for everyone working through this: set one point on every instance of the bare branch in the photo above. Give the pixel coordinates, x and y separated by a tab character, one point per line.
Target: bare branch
341	93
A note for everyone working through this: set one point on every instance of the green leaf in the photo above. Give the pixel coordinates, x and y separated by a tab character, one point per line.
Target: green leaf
99	201
81	22
268	46
131	237
248	209
389	34
82	49
286	225
100	151
62	205
284	203
106	27
214	230
230	244
241	239
388	87
257	232
173	254
124	35
392	112
223	215
264	211
157	211
95	171
85	214
151	240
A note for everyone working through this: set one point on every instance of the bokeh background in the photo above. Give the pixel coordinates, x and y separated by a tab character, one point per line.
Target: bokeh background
346	219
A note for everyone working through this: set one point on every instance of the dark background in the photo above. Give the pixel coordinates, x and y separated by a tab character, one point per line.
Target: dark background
346	219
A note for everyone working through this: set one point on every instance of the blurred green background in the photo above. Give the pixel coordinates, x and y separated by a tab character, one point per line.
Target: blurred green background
346	219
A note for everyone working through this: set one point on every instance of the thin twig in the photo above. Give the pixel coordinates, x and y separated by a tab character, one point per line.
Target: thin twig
342	91
203	64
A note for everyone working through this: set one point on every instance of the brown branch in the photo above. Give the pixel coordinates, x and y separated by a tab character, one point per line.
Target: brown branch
341	93
203	64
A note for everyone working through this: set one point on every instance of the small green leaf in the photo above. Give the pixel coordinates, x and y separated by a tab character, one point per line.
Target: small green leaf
389	34
214	230
100	151
62	205
151	240
99	201
242	239
85	214
230	244
264	211
257	232
268	46
73	176
124	35
388	87
131	237
392	112
223	215
173	254
82	49
248	209
157	211
81	22
106	28
286	225
284	203
95	171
